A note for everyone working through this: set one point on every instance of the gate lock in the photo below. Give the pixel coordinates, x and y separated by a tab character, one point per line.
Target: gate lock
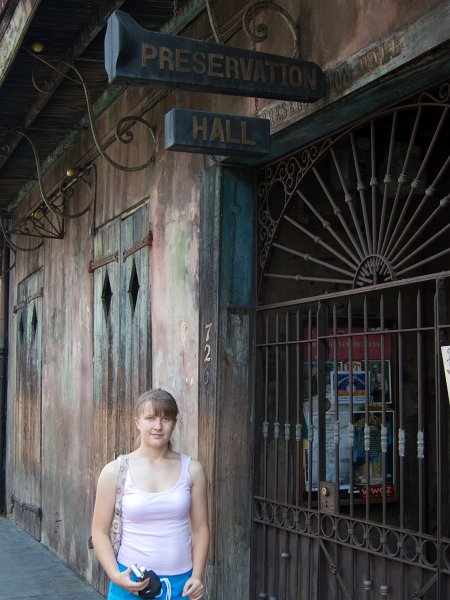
327	491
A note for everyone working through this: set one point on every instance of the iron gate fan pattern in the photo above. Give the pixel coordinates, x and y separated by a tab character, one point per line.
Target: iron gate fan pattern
366	206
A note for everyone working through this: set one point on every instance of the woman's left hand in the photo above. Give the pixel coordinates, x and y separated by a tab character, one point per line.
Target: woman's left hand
193	588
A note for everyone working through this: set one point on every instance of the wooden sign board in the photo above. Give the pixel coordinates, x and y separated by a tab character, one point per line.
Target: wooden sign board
138	56
216	133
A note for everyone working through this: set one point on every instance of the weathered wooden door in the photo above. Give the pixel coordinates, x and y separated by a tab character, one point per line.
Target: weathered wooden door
122	332
28	406
352	415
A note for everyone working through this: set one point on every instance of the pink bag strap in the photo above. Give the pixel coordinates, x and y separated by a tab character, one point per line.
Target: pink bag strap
121	478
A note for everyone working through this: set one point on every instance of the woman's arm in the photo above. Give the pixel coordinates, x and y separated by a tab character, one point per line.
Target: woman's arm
194	587
101	523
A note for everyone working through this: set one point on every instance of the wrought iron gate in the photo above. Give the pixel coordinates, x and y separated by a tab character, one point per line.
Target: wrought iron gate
351	488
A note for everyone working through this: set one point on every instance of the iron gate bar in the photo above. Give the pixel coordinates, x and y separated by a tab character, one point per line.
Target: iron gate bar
348	199
319	241
337	211
308	257
365	242
355	292
441	420
264	516
396	240
310	417
401	180
366	410
301	278
335	570
387	180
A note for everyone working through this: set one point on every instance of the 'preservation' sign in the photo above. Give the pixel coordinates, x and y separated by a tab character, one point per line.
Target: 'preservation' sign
138	56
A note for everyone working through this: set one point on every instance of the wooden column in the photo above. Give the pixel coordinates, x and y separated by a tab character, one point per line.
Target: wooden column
226	372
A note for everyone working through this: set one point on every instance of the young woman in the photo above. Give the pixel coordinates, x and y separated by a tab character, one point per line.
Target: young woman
164	510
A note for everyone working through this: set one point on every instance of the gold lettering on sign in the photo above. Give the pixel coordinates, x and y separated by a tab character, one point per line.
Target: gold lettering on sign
283	68
246	68
245	140
215	65
230	139
240	68
165	58
196	128
217	131
220	131
311	78
149	52
199	60
231	68
271	66
182	60
295	77
259	74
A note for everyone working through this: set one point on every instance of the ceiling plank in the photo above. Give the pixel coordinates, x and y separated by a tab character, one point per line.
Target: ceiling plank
86	36
13	30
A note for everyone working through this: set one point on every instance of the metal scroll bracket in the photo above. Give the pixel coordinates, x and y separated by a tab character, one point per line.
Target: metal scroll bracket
257	33
123	127
46	218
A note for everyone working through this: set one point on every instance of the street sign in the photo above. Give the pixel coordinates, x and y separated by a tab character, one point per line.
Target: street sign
216	133
137	56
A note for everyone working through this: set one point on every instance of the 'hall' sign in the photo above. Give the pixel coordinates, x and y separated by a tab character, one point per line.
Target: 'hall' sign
214	133
138	56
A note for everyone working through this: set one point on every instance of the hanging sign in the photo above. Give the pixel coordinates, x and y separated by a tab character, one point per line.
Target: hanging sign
215	133
141	57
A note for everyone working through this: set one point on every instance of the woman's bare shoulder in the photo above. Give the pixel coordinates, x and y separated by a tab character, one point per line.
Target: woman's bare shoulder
196	470
110	471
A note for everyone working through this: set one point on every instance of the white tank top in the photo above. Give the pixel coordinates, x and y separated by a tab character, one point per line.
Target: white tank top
156	531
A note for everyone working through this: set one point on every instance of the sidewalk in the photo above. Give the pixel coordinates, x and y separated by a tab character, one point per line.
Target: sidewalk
30	570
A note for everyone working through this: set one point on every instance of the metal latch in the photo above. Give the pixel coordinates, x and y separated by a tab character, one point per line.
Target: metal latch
327	496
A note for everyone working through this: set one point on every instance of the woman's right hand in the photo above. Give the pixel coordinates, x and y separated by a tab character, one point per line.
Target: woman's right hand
123	580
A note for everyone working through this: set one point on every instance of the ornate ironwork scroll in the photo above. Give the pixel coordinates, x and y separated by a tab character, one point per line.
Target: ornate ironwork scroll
123	127
46	219
366	207
123	133
260	32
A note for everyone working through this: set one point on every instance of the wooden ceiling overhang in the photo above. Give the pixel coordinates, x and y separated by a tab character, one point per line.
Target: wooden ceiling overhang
48	105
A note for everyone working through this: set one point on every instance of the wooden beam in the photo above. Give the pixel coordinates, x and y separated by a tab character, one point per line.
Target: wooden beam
81	43
14	25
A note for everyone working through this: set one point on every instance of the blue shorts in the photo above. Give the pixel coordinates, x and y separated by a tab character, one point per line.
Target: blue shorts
172	587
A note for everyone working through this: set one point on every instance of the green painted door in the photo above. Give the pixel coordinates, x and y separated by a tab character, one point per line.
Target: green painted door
122	334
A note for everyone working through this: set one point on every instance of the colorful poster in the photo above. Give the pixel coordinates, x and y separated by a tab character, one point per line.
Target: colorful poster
338	431
374	467
343	384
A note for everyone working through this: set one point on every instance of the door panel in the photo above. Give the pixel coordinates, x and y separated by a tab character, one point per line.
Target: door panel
122	336
28	408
